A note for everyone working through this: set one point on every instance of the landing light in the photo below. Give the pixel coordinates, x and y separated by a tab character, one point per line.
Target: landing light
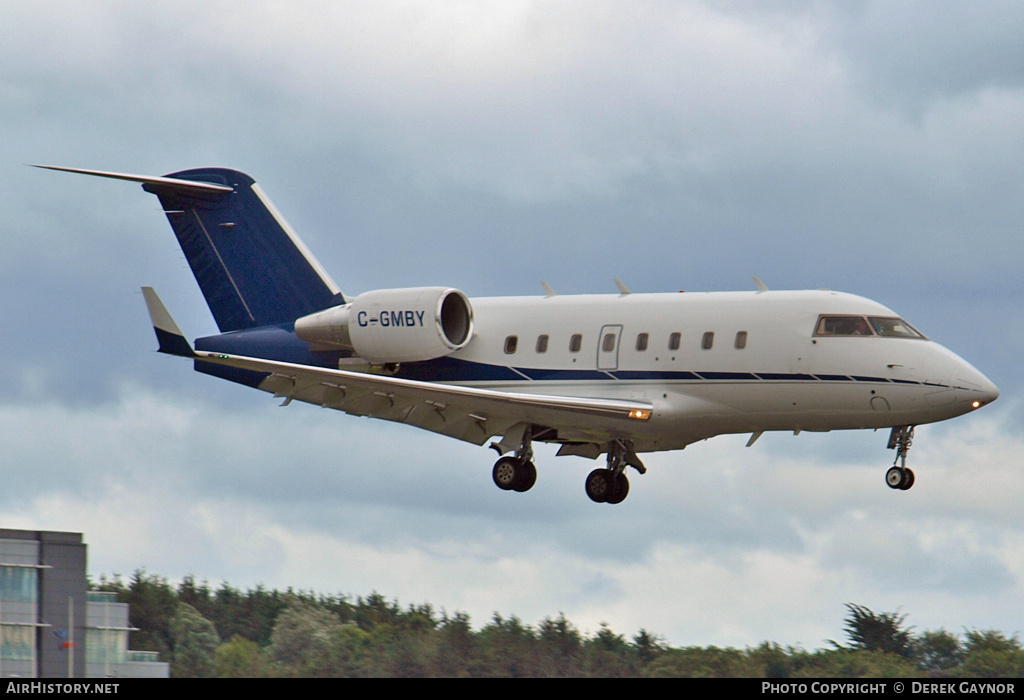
976	404
640	414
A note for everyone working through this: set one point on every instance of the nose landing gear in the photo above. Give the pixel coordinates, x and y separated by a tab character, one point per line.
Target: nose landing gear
900	477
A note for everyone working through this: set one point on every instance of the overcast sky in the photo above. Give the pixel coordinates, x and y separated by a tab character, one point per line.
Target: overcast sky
876	148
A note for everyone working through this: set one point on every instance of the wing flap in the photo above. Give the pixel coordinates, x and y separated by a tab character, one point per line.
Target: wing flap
468	413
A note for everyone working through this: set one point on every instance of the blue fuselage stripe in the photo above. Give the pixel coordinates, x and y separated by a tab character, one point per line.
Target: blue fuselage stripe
280	343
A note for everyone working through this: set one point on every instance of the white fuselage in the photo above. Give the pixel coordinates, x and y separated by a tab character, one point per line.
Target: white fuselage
764	368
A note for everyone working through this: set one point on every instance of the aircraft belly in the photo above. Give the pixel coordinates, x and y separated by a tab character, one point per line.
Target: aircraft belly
684	412
805	405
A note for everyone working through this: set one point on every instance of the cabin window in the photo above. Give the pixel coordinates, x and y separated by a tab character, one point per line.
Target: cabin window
641	342
673	341
575	343
511	343
542	343
707	341
608	344
741	340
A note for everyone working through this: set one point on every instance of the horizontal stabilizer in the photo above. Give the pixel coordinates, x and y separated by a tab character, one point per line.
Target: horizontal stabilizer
252	268
168	335
168	182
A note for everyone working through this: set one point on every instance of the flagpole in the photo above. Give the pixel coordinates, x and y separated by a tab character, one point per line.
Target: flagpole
71	637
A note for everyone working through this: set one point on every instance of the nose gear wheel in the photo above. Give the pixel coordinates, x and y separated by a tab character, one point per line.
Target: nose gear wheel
899	476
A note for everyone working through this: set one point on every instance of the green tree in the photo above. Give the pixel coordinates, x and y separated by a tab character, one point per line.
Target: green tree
648	647
991	654
700	662
152	603
938	652
195	643
302	640
239	658
508	648
561	647
607	655
877	632
773	661
350	651
855	663
456	647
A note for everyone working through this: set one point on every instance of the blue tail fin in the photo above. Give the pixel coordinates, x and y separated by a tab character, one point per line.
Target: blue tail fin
251	267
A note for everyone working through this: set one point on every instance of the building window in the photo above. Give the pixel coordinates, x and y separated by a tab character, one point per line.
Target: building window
19	584
106	646
641	342
707	341
542	343
575	343
741	340
511	343
17	643
673	341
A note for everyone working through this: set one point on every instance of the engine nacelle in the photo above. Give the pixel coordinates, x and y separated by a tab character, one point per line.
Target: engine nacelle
394	325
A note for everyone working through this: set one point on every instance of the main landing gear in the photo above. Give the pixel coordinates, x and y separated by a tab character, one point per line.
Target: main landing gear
514	474
609	484
517	473
900	477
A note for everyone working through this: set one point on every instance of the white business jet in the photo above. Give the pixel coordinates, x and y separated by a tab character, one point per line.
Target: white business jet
617	374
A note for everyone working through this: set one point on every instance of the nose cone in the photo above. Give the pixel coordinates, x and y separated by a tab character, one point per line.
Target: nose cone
973	386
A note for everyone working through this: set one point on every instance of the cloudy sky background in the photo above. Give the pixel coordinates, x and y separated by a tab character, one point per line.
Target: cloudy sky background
876	148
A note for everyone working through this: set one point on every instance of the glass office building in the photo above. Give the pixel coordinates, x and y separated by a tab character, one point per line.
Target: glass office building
51	626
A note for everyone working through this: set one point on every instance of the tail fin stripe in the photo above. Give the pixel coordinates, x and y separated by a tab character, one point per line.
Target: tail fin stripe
224	267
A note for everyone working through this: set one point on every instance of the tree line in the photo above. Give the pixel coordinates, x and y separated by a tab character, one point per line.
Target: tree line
225	632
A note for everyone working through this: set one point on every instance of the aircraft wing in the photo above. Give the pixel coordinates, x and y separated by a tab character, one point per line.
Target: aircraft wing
467	413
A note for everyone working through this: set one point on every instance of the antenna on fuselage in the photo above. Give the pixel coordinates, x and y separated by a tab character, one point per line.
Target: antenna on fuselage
548	291
761	286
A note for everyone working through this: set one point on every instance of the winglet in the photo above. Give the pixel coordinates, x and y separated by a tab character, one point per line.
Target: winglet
168	335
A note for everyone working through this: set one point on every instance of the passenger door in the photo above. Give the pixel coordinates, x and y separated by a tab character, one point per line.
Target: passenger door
608	347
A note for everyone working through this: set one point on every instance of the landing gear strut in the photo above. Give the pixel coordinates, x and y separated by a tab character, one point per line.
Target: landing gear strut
900	477
517	473
609	484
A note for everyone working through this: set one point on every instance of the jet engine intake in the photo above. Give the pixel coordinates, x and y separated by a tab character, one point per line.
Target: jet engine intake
394	325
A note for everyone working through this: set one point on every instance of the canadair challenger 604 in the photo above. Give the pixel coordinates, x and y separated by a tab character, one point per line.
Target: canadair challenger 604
616	374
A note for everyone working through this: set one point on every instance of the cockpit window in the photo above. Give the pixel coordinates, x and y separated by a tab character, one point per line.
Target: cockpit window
893	328
843	325
886	327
